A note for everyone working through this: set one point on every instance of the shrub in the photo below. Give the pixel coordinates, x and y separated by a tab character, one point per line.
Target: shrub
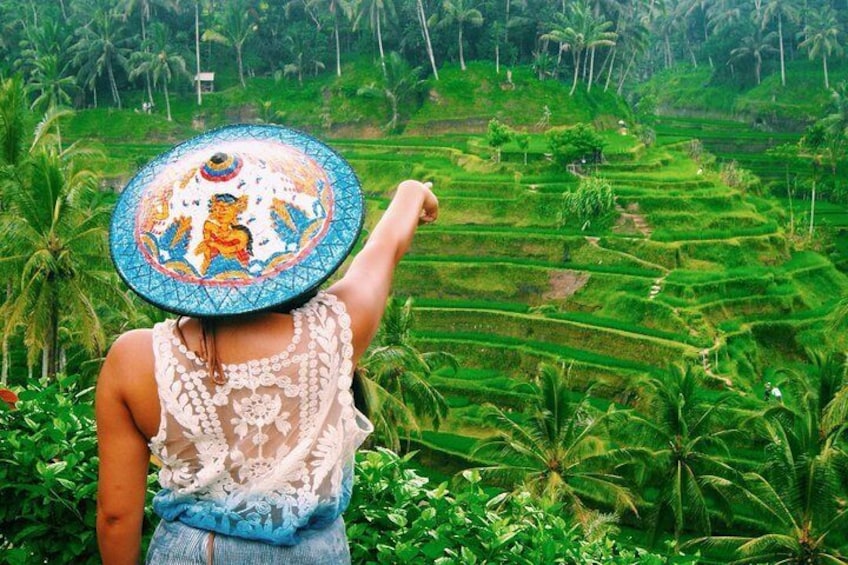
736	177
396	516
48	478
593	198
497	135
579	142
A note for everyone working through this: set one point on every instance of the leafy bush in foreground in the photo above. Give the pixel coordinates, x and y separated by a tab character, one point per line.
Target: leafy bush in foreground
397	517
48	475
48	482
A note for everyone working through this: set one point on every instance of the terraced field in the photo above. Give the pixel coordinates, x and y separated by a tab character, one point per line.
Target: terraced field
686	270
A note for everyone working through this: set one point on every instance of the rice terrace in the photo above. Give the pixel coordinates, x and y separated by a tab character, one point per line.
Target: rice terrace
625	340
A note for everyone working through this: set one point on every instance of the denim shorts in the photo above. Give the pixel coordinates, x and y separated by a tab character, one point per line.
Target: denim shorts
175	543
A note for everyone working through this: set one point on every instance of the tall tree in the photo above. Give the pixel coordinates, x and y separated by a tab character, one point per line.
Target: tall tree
399	85
53	240
598	34
50	84
798	494
158	61
102	46
559	450
461	13
821	37
687	450
425	31
234	24
337	9
779	10
394	376
754	46
375	13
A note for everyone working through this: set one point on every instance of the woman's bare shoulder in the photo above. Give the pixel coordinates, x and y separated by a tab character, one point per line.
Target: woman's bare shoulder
133	342
131	355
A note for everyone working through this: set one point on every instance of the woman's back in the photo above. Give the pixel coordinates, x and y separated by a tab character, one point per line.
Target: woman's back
267	451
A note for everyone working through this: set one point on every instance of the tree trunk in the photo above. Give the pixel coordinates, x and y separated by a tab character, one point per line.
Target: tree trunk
824	64
780	38
380	46
426	30
497	58
461	56
791	208
167	99
116	96
591	71
144	42
51	348
4	377
609	70
621	81
94	93
338	48
576	59
240	66
812	209
668	58
197	50
757	66
506	24
394	103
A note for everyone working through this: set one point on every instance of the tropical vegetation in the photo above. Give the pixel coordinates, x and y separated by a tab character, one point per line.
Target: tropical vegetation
643	224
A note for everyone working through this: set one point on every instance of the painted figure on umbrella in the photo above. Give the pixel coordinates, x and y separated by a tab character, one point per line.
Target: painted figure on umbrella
227	245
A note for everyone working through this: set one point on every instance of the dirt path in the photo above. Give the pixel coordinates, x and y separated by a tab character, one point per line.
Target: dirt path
632	217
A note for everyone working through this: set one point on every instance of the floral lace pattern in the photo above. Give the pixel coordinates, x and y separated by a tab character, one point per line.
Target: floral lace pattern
270	451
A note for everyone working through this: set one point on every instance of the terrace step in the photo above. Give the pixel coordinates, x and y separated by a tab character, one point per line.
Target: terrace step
613	342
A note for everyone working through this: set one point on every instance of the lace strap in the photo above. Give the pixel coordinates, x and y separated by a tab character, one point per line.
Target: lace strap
339	310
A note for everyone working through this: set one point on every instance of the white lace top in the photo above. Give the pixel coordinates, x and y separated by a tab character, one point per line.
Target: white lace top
270	452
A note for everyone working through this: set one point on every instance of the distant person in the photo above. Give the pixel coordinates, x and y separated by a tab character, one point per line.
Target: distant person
767	391
246	397
776	394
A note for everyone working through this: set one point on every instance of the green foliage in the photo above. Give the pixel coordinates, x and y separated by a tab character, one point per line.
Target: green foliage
397	516
48	478
593	199
497	135
580	142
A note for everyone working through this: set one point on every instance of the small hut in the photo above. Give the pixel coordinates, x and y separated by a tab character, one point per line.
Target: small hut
207	81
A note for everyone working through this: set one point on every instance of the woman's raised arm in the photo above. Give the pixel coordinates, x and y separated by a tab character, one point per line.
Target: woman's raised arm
365	286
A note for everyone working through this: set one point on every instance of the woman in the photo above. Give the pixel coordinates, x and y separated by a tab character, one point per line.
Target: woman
250	414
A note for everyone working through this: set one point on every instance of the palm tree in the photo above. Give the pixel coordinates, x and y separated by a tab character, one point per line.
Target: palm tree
425	30
100	48
13	150
779	9
143	6
158	62
375	13
399	84
821	37
598	34
394	377
52	88
557	32
754	46
461	13
53	240
335	8
234	26
558	451
688	454
798	494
